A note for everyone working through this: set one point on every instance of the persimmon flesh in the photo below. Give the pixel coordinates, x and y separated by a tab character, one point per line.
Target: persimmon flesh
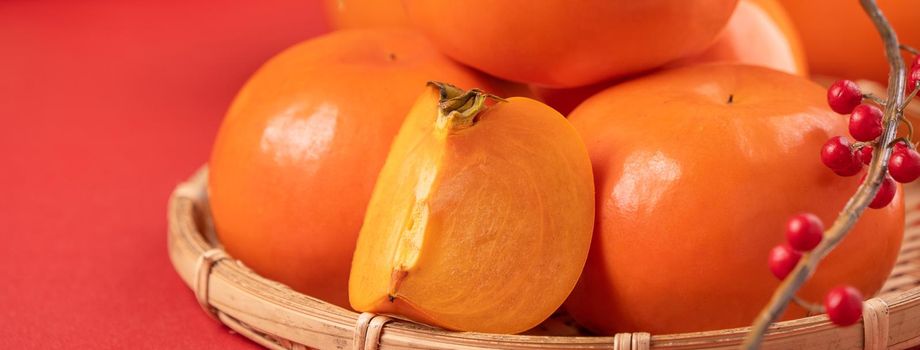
481	218
297	155
697	171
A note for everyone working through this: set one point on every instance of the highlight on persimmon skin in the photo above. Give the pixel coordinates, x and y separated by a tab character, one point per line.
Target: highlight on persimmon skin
297	155
481	218
561	44
696	172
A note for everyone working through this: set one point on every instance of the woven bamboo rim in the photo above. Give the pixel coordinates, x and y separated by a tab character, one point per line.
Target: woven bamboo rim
277	317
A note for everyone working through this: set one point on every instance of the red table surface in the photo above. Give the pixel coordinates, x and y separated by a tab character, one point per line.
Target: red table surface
105	107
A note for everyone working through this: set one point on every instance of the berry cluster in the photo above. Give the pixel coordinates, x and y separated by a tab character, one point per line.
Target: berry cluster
846	158
804	232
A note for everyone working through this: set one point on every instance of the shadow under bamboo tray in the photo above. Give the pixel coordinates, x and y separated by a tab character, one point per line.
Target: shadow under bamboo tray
277	317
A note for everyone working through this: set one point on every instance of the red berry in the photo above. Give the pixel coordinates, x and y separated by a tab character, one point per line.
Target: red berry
851	170
843	305
885	192
804	232
913	75
843	96
904	165
866	122
864	154
836	153
782	260
900	146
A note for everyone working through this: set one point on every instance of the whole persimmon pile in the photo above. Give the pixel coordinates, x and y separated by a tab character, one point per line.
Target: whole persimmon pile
481	165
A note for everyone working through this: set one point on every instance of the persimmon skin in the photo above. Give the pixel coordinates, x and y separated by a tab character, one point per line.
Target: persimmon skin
759	33
841	41
296	157
354	14
560	45
482	227
566	100
697	170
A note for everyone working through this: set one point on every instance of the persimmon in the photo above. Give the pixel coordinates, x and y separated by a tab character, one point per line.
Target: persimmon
296	157
352	14
759	33
561	44
481	217
697	171
565	100
841	41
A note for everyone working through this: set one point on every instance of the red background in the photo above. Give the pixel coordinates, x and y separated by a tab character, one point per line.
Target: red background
105	106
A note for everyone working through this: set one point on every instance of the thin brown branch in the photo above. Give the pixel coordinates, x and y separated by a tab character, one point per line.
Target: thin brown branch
811	308
860	200
909	49
910	127
871	97
910	97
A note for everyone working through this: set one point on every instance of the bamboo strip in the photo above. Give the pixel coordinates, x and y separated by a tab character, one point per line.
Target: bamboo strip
277	317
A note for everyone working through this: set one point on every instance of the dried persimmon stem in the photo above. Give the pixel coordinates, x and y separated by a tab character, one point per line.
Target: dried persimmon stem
864	194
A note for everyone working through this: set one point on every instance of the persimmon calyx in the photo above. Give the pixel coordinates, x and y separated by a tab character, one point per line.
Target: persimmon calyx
457	109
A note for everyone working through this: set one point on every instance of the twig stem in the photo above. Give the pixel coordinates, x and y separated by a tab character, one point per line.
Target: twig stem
860	200
878	100
812	308
910	97
910	128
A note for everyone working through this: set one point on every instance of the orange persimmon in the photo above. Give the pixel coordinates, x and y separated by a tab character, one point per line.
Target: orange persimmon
840	39
481	217
565	100
696	172
562	44
350	14
296	157
759	33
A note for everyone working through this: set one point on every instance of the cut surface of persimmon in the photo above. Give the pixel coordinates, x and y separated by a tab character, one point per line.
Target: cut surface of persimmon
481	218
697	171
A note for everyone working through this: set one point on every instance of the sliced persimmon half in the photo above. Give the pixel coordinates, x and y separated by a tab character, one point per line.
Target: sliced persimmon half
481	218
